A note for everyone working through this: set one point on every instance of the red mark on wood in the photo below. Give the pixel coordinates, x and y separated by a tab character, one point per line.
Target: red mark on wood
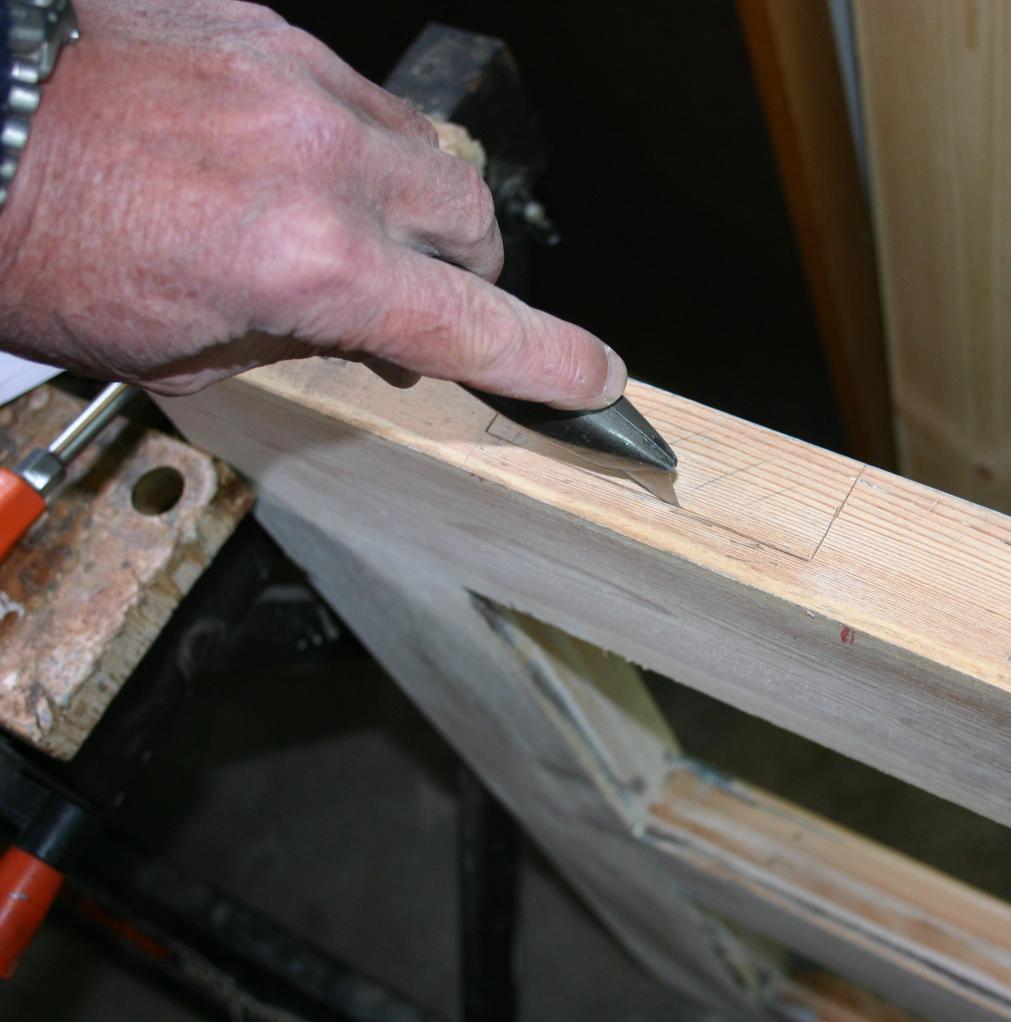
847	636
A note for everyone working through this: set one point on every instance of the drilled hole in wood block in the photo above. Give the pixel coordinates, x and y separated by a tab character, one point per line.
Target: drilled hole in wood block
158	491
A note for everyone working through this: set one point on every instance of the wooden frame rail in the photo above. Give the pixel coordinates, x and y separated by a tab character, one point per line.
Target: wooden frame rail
862	610
866	612
571	741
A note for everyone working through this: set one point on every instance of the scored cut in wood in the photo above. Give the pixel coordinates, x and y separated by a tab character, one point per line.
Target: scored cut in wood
861	610
87	591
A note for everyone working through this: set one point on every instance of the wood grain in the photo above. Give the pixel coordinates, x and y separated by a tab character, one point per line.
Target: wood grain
571	741
794	59
909	932
87	591
862	610
482	684
936	82
826	998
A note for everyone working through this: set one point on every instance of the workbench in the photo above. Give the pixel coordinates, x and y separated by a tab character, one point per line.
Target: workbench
85	594
143	576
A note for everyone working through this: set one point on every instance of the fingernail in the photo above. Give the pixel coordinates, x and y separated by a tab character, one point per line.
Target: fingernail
617	376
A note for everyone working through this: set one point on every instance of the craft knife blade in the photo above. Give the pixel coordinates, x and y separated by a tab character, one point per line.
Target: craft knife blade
617	438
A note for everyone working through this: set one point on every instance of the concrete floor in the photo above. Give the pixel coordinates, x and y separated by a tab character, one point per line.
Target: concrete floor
322	797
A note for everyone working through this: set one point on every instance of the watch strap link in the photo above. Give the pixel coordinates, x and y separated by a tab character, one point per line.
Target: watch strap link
36	32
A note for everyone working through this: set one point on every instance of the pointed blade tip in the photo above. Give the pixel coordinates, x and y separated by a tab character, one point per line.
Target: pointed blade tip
659	483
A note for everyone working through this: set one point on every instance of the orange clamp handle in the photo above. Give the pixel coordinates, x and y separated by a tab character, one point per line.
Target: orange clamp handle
28	887
20	507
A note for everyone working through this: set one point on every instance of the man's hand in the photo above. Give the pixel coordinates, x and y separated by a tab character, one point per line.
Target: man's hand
207	189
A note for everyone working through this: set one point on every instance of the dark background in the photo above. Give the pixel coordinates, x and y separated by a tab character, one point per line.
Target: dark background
677	247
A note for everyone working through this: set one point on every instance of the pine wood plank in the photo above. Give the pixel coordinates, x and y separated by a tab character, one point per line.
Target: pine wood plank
76	619
859	609
796	69
477	680
571	741
936	82
879	918
825	998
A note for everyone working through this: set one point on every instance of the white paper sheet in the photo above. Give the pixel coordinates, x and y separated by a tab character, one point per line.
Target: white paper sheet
18	375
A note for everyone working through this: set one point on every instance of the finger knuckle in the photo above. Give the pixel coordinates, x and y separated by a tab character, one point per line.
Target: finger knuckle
572	359
298	43
496	256
418	125
519	346
405	118
260	16
295	252
478	206
315	129
489	341
425	326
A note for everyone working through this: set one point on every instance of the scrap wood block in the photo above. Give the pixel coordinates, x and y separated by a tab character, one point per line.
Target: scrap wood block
87	591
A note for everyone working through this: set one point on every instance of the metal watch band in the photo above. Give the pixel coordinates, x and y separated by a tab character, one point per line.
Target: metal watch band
39	29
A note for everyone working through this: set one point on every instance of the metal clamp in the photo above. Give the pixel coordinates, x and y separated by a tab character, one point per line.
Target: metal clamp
39	29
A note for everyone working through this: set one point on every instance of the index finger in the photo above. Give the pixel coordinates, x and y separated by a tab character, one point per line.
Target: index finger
441	321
